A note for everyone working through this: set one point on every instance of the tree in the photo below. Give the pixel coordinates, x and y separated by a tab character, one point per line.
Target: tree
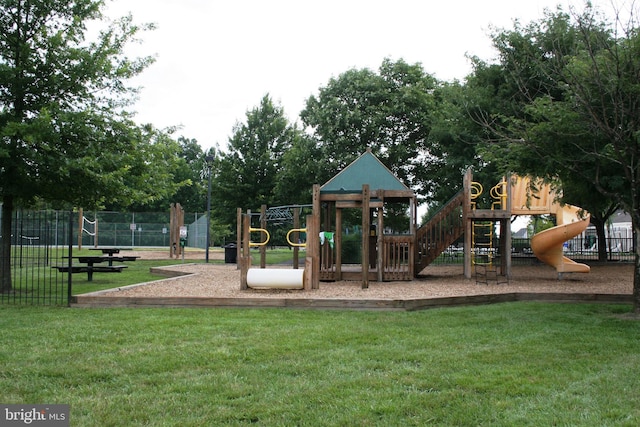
192	168
170	173
189	175
64	132
182	165
300	170
389	112
452	144
593	65
246	174
503	100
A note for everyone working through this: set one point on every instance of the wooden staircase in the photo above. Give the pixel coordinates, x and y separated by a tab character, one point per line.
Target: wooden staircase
442	230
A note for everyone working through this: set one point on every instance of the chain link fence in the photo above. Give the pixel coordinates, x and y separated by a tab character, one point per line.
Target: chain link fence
133	229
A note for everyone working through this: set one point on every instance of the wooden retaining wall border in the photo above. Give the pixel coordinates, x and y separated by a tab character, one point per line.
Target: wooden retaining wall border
89	301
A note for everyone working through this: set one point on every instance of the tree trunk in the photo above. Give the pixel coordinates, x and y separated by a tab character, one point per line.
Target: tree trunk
5	245
602	238
636	270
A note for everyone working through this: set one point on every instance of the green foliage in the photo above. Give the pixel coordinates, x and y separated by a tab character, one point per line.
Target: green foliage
352	248
247	174
539	223
389	112
452	145
178	174
396	217
302	167
64	133
221	232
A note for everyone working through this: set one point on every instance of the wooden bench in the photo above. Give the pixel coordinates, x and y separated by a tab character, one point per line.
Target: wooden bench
90	269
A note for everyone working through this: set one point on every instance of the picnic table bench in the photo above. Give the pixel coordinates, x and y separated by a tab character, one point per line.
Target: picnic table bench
107	251
108	259
90	266
90	269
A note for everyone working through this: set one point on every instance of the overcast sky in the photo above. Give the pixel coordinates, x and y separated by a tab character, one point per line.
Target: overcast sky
217	59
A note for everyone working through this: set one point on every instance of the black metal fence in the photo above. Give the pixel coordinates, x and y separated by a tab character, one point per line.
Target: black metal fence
581	249
39	241
44	239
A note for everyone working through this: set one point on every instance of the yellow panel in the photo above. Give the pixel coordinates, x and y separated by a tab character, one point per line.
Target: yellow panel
524	201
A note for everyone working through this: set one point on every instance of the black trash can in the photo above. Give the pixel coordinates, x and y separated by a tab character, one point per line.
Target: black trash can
230	253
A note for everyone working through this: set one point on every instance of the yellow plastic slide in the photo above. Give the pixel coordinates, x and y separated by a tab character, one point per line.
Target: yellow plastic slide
548	245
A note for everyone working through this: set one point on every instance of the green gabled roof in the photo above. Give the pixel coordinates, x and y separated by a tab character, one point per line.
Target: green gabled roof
366	169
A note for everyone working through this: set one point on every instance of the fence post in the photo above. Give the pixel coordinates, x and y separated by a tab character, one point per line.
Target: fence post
70	260
80	224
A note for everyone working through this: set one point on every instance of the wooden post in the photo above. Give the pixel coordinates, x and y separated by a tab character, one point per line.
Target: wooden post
296	236
328	257
414	232
180	223
508	243
380	238
338	244
366	222
466	208
245	259
172	230
412	255
263	224
413	209
313	240
80	226
238	238
505	247
95	229
312	259
176	220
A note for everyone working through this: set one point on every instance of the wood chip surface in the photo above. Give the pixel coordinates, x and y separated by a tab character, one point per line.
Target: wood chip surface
223	281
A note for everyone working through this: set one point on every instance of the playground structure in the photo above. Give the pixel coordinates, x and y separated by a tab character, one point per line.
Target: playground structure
518	196
548	245
277	278
367	186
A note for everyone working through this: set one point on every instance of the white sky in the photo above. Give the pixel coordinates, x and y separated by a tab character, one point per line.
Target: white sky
216	59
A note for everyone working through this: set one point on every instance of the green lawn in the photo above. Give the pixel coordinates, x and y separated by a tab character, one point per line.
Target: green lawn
517	364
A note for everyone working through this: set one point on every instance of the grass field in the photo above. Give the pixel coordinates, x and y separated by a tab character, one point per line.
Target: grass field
524	364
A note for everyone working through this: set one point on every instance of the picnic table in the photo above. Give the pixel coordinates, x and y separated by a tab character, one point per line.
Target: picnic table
107	251
89	264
